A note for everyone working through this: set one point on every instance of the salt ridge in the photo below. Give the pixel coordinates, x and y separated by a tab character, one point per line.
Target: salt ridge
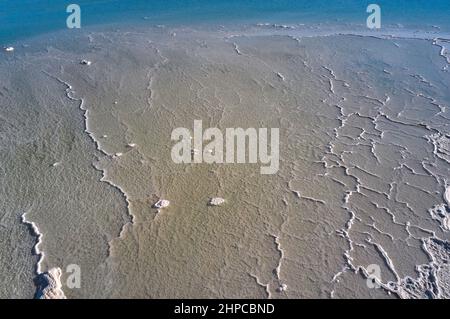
36	250
49	283
69	94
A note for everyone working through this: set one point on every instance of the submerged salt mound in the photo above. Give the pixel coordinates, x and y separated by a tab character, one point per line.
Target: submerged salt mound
49	285
162	203
216	201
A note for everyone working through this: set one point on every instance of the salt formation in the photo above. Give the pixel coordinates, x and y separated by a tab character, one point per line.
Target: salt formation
36	249
433	280
162	203
447	195
297	194
216	201
282	288
48	283
281	76
9	49
440	214
86	62
50	286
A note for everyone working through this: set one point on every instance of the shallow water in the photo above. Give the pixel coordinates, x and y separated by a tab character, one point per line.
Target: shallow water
364	163
27	18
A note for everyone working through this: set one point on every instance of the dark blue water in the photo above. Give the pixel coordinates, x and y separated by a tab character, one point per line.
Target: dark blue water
25	18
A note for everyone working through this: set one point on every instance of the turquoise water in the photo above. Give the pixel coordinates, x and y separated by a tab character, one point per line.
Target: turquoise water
25	18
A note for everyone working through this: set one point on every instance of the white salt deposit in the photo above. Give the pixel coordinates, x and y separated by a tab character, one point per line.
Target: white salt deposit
50	285
281	76
282	288
162	203
447	195
216	201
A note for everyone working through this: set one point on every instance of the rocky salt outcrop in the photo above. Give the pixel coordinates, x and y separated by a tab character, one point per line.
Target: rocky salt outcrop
49	285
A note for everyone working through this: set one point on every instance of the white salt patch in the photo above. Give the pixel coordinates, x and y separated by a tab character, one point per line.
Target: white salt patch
281	76
36	248
162	203
236	49
50	286
281	252
282	288
447	195
446	223
297	194
216	201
